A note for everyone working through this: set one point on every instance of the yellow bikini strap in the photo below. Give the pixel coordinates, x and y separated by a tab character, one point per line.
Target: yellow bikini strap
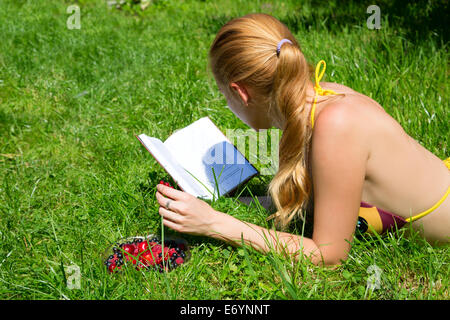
422	214
317	86
318	89
447	162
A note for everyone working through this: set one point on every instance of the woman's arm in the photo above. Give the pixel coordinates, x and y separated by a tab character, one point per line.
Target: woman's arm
234	231
187	214
339	156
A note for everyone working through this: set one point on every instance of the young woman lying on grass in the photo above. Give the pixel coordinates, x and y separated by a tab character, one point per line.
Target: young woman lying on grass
339	149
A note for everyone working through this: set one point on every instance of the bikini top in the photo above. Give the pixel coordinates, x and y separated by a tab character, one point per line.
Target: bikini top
379	220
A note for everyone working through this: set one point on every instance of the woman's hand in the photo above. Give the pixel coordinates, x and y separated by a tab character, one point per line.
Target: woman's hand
183	212
187	214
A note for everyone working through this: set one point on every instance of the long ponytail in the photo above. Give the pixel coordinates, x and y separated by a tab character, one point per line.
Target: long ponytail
245	50
291	187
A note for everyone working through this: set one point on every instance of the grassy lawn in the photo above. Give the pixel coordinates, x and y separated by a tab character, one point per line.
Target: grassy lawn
74	179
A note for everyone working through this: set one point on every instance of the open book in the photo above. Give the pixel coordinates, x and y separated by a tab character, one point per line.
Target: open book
201	159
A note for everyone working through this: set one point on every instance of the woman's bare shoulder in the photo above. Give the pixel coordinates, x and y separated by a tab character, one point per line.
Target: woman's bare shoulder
355	101
352	110
338	88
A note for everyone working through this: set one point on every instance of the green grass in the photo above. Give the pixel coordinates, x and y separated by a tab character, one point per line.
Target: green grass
73	178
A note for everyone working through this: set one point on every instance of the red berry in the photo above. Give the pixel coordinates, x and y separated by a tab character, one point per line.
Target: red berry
165	183
142	246
131	259
151	244
113	267
147	258
166	253
147	253
129	248
156	248
172	251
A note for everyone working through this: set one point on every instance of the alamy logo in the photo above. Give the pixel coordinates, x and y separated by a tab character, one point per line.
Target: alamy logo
373	22
73	21
74	278
226	153
374	280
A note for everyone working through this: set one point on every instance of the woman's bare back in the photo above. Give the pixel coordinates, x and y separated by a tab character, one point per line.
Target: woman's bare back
401	175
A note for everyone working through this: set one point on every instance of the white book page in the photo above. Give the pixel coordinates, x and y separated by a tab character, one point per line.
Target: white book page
201	148
168	162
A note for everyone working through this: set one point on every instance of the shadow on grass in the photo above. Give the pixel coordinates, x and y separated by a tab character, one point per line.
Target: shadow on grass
418	20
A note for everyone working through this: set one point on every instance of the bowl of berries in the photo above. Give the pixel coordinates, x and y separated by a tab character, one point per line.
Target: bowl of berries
147	253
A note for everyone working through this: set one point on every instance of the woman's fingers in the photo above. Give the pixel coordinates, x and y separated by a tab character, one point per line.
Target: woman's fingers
170	215
172	225
163	201
171	192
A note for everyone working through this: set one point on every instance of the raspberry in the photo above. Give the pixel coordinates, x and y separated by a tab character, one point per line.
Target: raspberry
157	248
179	260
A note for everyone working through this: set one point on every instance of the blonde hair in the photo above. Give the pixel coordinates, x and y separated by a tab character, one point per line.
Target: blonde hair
245	51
